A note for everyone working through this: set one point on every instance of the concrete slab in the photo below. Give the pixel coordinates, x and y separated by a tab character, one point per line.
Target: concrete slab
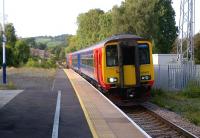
7	95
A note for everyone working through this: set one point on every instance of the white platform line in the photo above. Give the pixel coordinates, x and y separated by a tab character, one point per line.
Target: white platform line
56	117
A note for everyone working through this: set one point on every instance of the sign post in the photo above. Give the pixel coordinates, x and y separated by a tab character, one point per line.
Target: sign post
4	46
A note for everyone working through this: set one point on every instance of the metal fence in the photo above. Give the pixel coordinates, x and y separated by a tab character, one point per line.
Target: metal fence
175	76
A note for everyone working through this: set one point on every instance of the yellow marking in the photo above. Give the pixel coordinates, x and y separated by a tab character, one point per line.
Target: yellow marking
92	128
129	75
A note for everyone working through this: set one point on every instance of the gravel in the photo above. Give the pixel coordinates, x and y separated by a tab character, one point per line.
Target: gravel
174	118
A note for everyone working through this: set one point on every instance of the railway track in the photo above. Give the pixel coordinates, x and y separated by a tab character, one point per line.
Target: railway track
154	125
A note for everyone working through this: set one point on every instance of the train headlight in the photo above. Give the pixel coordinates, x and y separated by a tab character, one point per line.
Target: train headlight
112	80
146	77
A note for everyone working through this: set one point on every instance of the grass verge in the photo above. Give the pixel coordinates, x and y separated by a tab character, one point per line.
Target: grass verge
186	102
9	86
28	78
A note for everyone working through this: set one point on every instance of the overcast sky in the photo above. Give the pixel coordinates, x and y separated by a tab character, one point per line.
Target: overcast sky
55	17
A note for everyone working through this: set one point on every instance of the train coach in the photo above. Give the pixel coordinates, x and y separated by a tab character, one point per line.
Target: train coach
120	65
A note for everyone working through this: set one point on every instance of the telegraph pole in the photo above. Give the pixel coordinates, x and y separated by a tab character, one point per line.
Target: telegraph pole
4	46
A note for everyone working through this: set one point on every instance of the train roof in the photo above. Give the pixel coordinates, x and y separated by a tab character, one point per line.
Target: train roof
112	38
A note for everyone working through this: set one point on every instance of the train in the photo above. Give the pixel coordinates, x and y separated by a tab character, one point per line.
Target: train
120	66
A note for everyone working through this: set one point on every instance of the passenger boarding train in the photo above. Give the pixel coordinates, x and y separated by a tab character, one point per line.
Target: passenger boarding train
121	65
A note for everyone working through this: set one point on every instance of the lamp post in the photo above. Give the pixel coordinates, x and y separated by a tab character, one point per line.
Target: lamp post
4	46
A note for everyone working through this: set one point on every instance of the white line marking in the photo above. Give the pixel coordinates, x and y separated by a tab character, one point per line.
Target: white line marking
56	117
53	85
133	123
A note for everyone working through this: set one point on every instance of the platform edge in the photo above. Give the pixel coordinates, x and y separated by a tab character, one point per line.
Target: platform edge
91	126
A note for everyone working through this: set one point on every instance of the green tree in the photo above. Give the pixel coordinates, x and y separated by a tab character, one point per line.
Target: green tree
59	52
10	57
62	54
197	48
88	28
72	44
150	19
132	17
22	52
153	20
10	34
31	42
167	31
41	46
105	23
119	22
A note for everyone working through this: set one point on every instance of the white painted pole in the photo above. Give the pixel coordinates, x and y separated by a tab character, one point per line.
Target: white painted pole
4	46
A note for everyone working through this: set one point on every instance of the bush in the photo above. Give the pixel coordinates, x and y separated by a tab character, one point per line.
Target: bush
192	90
157	92
42	63
8	86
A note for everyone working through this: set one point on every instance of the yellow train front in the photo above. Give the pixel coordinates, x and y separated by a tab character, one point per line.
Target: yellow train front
121	66
128	67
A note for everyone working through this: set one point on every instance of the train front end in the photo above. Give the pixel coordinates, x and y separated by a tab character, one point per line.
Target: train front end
128	68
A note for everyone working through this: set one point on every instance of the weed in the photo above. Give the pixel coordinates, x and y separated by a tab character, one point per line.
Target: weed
9	86
192	90
185	103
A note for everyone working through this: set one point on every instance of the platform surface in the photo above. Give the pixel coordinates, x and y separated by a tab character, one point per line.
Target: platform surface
30	114
105	120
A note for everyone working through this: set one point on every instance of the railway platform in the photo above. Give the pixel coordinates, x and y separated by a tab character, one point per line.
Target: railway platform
31	113
70	108
103	117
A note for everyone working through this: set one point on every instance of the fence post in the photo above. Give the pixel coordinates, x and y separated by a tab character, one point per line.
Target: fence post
168	76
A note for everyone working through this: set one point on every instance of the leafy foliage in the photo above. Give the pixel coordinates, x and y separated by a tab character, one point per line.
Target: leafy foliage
197	48
186	103
167	31
17	51
59	52
41	63
72	45
89	27
10	34
150	19
22	52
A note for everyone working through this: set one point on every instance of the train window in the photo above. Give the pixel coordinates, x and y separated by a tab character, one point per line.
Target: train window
74	61
87	59
111	56
128	55
144	54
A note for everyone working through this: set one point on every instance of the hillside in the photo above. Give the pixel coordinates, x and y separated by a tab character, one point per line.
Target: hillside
52	41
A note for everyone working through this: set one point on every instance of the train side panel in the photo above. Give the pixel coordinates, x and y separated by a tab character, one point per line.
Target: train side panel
87	64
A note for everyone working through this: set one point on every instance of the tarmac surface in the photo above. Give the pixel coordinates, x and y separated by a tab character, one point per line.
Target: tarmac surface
30	114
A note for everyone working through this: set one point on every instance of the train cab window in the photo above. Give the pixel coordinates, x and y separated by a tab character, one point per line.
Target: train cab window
144	55
128	55
111	56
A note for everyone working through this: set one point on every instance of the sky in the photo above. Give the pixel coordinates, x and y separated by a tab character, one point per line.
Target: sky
55	17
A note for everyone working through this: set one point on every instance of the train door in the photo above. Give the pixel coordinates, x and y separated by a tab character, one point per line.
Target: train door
129	67
96	63
79	61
